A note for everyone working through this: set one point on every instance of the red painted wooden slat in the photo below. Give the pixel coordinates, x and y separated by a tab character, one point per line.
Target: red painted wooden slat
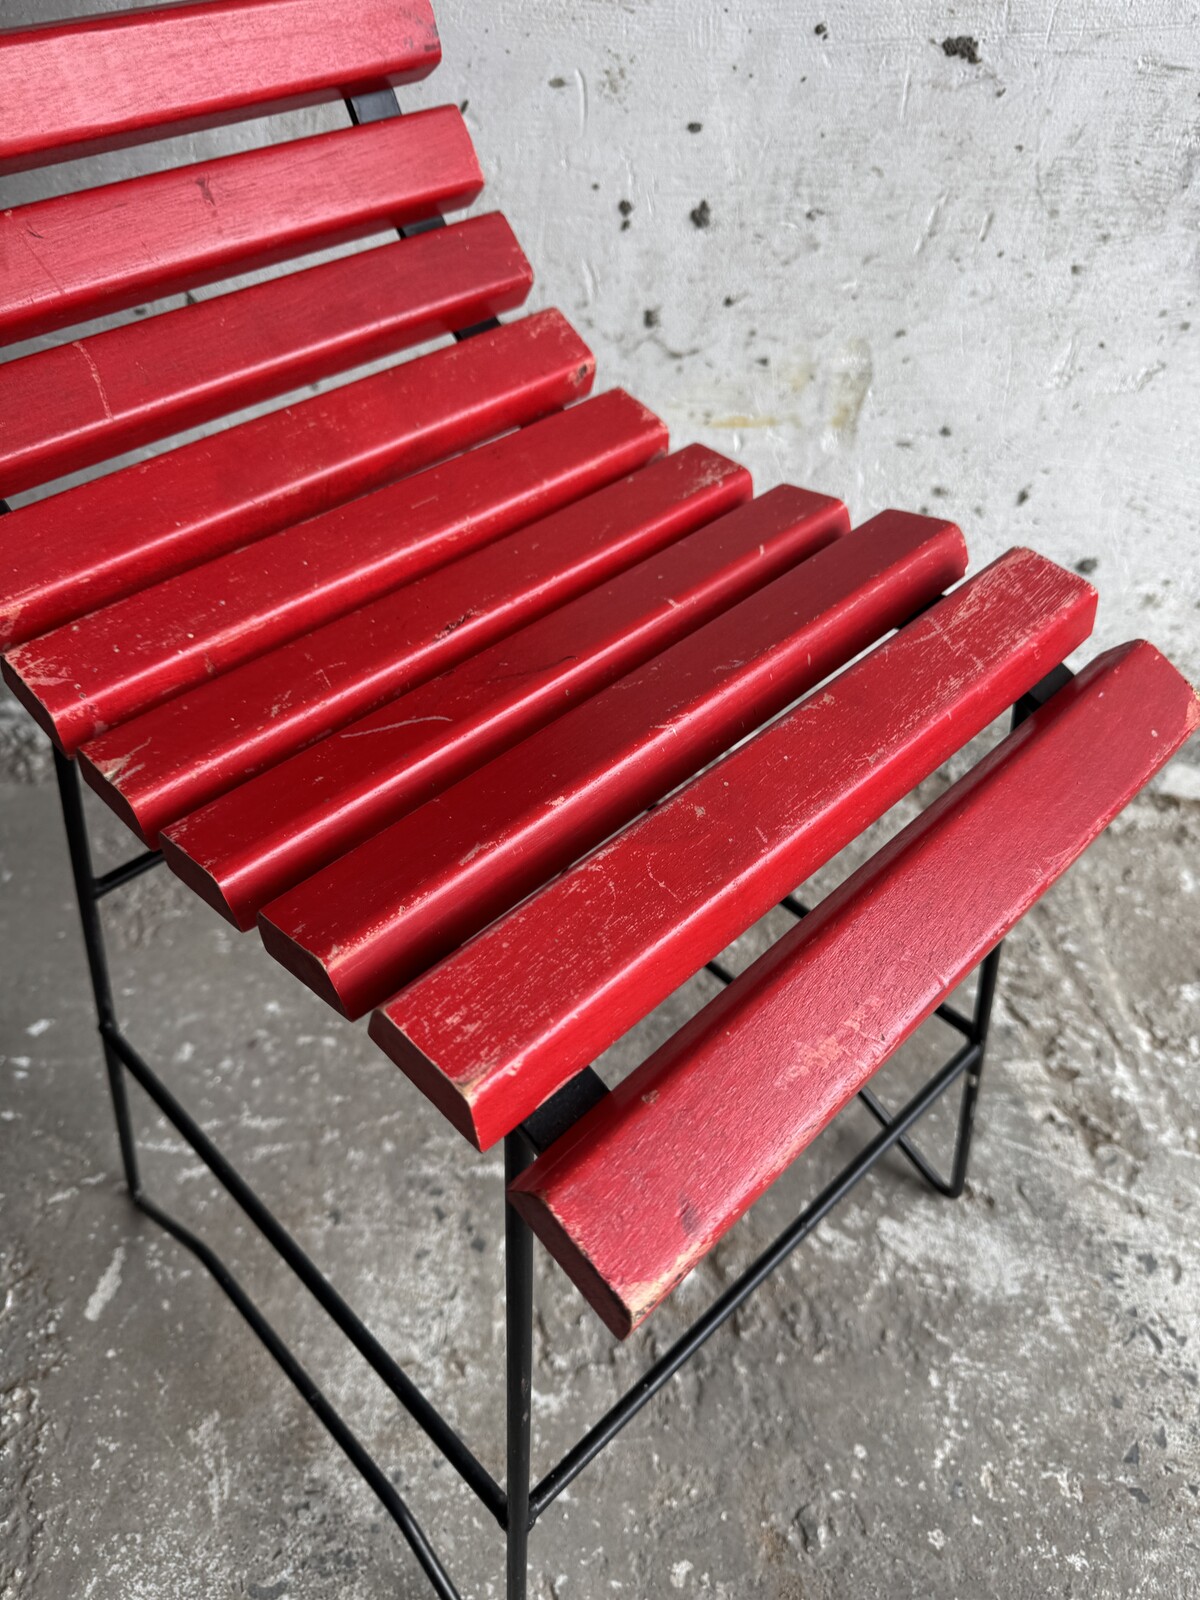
153	520
101	83
165	763
500	1025
80	403
381	913
107	667
646	1183
100	250
251	845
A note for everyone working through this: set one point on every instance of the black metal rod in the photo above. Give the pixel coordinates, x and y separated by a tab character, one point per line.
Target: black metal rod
80	852
125	873
720	971
518	1321
360	1458
71	796
975	1028
950	1014
426	1416
927	1170
985	995
663	1370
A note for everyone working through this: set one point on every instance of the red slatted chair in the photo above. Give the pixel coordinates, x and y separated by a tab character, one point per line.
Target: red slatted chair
617	707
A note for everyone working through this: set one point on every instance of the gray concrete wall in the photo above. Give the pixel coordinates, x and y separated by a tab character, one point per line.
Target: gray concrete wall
812	238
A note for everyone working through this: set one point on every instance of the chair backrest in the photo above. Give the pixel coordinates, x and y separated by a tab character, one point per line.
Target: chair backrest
110	81
75	88
120	79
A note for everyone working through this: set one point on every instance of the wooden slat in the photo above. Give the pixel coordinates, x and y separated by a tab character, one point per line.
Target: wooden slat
251	845
74	552
103	669
165	763
80	403
495	1029
384	911
76	88
647	1182
101	250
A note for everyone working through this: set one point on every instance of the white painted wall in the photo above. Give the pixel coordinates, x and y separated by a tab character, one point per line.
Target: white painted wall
964	287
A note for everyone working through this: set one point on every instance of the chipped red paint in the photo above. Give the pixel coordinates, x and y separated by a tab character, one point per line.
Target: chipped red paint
103	82
100	671
380	914
250	845
644	1185
163	764
496	1028
101	250
93	398
151	521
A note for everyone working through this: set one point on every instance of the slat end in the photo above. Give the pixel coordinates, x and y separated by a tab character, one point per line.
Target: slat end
620	1319
37	707
455	1106
202	882
105	784
303	964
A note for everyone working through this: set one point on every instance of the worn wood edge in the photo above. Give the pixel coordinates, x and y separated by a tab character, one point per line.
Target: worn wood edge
423	1074
126	571
576	1263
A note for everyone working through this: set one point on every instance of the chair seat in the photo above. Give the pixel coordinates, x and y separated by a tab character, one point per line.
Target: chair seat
498	717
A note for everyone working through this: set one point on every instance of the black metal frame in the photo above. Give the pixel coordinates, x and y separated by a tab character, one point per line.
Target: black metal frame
517	1507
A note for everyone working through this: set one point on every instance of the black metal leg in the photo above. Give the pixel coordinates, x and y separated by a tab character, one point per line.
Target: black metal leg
985	994
93	940
120	1057
518	1317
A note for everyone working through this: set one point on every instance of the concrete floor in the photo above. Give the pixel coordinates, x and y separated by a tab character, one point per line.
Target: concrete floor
994	1397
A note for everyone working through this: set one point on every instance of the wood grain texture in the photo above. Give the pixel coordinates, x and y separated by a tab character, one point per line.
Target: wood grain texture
252	844
497	1027
107	667
375	918
646	1183
100	83
82	402
170	760
102	250
150	521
